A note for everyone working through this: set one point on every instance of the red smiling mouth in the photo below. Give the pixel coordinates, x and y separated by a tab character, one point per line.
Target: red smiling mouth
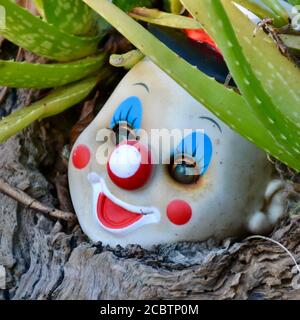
113	216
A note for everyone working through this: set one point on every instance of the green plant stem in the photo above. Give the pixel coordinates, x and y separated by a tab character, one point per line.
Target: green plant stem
126	60
155	16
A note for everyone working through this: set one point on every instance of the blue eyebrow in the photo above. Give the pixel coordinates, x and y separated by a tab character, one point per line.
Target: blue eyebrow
199	146
129	110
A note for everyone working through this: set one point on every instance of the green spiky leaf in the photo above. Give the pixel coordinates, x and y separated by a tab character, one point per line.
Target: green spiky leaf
253	66
224	103
127	6
294	2
278	76
281	15
267	9
72	16
261	10
56	102
28	75
37	36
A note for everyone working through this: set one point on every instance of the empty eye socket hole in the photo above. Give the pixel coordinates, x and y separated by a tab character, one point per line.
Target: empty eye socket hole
184	169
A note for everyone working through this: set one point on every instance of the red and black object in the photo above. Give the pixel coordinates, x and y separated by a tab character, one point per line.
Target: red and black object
197	48
200	35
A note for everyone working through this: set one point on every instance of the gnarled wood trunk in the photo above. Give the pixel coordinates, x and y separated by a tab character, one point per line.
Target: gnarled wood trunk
48	259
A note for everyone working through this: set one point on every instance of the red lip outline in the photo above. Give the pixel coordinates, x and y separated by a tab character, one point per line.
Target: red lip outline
113	216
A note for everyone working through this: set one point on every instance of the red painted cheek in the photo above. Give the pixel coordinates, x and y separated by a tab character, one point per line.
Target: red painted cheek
81	156
179	212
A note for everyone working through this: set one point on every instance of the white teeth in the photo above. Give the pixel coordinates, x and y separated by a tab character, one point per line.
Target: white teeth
151	215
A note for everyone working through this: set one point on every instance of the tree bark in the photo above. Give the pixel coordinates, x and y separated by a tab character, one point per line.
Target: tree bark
49	259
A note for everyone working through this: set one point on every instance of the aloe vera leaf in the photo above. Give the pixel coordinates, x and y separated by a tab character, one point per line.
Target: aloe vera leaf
56	102
30	32
173	6
155	16
71	94
72	16
294	2
282	15
278	76
255	91
127	6
126	60
224	103
261	10
292	42
29	75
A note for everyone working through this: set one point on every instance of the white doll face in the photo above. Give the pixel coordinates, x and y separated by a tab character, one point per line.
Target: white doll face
133	196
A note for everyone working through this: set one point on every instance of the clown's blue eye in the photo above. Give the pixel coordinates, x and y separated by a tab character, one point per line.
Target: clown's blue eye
191	158
129	111
127	120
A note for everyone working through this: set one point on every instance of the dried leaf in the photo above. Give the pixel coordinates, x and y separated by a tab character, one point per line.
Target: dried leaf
86	117
1	41
63	195
28	4
3	91
117	44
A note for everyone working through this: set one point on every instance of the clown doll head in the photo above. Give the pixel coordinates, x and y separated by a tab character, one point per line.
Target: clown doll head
155	166
200	180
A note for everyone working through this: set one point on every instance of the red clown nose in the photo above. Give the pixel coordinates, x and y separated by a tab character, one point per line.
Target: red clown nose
130	165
